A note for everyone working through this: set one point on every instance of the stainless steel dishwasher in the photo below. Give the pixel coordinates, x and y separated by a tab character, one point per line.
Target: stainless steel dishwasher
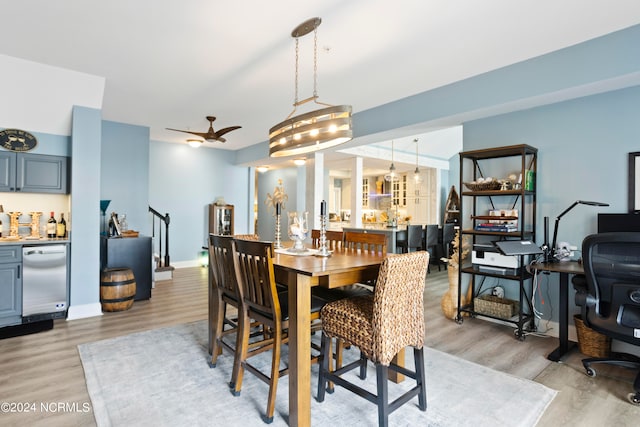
44	282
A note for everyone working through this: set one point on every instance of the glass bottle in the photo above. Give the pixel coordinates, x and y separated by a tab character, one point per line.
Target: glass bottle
51	227
61	229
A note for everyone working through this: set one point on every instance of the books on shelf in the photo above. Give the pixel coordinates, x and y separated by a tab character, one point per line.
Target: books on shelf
505	228
500	220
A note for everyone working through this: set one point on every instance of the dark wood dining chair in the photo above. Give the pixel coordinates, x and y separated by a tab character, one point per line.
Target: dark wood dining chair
333	238
381	325
367	242
224	292
253	261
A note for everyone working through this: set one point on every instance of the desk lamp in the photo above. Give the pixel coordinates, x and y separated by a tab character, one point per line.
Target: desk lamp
550	252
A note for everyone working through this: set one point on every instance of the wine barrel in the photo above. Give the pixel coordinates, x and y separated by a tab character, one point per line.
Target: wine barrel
117	289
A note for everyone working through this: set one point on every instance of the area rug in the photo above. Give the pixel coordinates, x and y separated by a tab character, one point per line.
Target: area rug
161	378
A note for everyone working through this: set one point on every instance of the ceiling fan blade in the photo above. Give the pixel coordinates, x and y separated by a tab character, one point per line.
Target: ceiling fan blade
221	132
200	134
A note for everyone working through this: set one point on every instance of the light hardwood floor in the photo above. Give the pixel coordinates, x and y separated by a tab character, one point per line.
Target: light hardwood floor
45	367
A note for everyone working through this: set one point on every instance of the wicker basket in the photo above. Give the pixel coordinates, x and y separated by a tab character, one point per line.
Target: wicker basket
483	186
590	342
495	306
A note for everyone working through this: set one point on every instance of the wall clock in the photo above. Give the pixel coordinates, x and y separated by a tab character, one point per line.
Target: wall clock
17	140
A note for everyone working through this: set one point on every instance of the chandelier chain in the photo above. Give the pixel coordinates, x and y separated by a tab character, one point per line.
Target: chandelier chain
295	100
315	62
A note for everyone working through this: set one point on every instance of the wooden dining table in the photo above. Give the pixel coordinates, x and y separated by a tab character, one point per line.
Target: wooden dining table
300	274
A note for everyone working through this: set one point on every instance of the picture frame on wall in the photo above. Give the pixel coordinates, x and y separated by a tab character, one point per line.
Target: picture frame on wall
634	181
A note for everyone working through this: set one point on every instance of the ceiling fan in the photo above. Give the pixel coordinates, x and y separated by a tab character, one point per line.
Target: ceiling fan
210	135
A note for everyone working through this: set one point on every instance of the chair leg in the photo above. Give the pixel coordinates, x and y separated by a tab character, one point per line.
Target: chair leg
242	345
275	375
339	353
363	367
217	327
325	350
382	376
418	359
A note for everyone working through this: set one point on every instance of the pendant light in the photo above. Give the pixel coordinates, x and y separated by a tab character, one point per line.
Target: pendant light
416	173
392	175
316	130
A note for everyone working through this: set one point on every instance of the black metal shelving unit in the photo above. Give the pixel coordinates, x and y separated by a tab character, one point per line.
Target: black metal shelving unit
473	206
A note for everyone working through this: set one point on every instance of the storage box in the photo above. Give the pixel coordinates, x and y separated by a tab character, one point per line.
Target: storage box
495	306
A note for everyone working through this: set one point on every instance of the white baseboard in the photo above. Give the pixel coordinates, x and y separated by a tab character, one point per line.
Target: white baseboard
83	311
186	264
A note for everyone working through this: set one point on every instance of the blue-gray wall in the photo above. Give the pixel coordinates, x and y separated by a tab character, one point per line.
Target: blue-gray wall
183	181
124	176
85	208
267	182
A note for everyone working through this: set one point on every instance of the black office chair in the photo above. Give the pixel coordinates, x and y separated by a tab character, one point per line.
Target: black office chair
611	303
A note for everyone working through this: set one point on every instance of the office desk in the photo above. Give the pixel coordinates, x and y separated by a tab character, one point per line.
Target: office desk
564	269
300	273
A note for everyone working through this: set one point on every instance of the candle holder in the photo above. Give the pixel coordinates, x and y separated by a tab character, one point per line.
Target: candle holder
277	244
323	251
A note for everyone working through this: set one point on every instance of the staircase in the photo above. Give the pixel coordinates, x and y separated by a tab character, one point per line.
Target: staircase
163	270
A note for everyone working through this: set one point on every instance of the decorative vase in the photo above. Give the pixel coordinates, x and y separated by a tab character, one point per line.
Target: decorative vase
449	302
298	230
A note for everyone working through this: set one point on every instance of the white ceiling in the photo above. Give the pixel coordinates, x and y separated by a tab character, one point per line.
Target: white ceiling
168	63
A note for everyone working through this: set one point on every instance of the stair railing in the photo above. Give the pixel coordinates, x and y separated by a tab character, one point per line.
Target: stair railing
164	261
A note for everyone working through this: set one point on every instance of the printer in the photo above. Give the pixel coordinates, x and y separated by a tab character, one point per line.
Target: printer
487	257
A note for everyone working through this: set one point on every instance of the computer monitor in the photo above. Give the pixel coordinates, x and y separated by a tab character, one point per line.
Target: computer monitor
610	222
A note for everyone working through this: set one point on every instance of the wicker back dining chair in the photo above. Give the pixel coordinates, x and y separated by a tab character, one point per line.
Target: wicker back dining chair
254	268
366	242
333	238
381	326
246	236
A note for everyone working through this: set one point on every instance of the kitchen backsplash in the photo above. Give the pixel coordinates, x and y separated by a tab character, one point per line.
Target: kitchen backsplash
30	202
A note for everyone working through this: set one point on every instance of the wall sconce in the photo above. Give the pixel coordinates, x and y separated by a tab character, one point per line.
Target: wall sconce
262	169
299	162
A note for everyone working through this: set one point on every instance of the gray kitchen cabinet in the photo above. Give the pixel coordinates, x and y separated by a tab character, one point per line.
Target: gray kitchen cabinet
10	285
33	173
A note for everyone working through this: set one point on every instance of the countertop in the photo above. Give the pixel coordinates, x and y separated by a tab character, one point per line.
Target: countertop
6	241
